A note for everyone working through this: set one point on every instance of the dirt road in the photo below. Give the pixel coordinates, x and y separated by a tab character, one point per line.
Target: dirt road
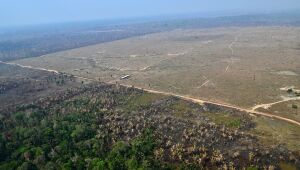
230	46
199	101
268	105
188	98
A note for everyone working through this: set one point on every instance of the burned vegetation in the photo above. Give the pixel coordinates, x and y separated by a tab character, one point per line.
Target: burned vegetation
101	126
19	86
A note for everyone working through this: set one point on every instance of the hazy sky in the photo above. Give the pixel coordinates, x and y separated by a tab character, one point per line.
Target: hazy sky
27	12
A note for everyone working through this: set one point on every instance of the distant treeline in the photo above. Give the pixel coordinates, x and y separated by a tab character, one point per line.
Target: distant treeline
40	40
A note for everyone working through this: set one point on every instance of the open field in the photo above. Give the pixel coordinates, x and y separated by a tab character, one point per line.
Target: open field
242	66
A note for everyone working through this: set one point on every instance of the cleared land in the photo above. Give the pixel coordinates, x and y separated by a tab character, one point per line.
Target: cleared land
242	66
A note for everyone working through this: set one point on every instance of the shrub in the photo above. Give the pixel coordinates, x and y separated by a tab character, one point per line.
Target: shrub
294	106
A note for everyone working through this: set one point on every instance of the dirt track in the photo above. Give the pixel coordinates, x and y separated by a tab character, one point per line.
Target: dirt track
222	104
199	101
268	105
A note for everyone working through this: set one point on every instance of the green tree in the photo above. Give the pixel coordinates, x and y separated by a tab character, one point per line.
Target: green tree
27	166
116	158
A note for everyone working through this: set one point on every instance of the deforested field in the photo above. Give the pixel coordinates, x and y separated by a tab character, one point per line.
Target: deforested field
248	67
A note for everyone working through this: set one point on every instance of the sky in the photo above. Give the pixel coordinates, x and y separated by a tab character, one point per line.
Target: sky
30	12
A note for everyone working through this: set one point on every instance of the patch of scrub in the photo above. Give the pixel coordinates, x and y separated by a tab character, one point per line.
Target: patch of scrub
287	88
272	132
134	103
287	73
291	90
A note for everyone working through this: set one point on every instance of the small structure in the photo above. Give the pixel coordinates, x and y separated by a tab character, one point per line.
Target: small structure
125	77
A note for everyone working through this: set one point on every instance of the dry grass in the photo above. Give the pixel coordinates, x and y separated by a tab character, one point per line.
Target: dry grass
181	61
273	132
